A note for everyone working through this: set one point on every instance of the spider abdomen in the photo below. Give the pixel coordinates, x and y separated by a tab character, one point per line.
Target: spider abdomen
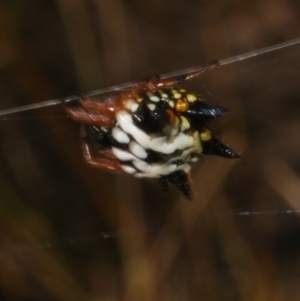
142	147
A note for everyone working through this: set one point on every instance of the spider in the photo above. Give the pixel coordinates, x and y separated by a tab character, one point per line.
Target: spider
153	130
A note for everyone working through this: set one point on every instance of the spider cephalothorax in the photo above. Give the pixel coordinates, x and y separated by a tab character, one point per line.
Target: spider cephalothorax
152	131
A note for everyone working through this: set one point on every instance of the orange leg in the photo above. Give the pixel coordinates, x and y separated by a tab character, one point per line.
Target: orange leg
79	114
95	112
110	164
82	116
108	109
108	154
157	83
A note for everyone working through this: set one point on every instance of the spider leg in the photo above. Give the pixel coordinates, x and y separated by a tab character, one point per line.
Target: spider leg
107	154
157	83
79	114
110	164
107	108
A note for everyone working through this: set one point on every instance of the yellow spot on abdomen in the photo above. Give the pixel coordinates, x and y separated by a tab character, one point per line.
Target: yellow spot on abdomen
191	97
177	95
151	106
181	106
197	143
185	125
205	136
154	98
171	103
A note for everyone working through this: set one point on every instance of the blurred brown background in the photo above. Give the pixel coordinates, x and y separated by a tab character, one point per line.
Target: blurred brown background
69	232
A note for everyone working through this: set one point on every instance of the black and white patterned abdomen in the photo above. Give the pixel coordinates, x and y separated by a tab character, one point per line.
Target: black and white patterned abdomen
153	155
160	134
